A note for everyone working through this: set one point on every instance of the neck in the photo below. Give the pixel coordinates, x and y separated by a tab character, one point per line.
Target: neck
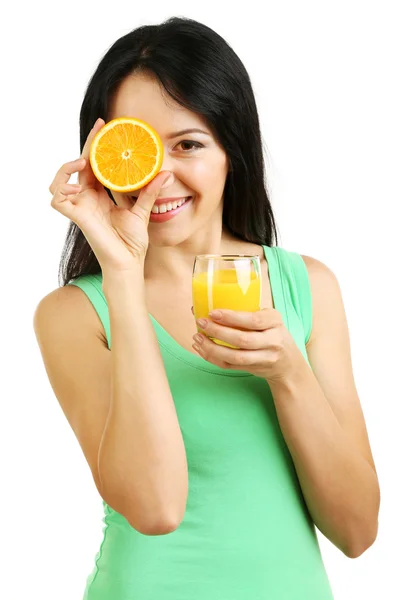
175	263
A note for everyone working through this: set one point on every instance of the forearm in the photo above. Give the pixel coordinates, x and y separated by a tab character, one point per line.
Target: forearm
339	486
142	458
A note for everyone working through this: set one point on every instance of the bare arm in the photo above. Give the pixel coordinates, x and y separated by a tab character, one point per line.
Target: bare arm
118	401
322	421
142	459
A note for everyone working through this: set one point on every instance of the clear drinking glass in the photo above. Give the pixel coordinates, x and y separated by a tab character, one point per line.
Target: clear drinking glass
225	281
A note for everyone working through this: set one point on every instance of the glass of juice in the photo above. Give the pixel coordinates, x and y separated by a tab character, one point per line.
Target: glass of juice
225	281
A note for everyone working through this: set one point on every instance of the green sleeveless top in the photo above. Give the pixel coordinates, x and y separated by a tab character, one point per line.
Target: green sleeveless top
247	533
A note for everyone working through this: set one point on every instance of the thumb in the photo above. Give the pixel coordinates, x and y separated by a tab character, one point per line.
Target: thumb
149	194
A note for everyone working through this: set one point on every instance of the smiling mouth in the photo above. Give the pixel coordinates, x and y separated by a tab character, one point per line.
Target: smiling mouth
166	207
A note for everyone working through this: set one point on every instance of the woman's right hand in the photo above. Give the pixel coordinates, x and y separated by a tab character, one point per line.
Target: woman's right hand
118	236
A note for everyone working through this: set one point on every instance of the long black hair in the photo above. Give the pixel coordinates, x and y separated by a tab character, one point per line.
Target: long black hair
201	72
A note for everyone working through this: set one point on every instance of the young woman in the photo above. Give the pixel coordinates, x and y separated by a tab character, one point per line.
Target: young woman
214	464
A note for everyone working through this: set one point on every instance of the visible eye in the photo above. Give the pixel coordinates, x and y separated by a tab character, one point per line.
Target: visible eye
190	143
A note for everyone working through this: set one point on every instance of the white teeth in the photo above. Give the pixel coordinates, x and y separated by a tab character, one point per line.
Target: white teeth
163	208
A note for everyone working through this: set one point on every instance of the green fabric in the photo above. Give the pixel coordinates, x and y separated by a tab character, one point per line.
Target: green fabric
247	533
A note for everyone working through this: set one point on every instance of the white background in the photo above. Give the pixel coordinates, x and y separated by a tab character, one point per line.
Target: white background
326	79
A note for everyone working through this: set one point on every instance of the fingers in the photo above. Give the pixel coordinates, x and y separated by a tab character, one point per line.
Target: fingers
86	176
149	194
80	165
86	148
63	192
266	318
230	357
63	175
247	340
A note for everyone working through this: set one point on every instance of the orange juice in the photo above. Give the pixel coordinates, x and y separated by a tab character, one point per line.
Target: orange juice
236	289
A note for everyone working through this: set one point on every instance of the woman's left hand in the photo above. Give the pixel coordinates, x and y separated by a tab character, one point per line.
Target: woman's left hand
265	346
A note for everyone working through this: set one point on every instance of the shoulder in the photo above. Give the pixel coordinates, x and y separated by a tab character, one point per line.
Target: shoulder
319	273
64	307
66	299
327	301
61	298
316	267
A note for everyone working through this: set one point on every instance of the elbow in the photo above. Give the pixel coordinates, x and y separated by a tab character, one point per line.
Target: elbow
140	520
155	527
357	548
156	522
365	532
148	516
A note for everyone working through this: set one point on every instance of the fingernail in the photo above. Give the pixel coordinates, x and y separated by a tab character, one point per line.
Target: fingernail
215	314
202	323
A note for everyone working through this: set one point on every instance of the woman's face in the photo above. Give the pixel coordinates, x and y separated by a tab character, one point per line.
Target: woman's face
197	162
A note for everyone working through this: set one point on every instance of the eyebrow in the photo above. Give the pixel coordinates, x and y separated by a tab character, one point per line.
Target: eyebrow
185	131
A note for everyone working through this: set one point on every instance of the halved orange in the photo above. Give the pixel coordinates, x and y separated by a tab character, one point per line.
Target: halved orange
126	154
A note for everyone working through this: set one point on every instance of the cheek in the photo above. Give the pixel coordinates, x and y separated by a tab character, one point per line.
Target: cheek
209	175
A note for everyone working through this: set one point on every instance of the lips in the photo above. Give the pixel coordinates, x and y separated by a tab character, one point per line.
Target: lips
170	214
159	207
165	200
